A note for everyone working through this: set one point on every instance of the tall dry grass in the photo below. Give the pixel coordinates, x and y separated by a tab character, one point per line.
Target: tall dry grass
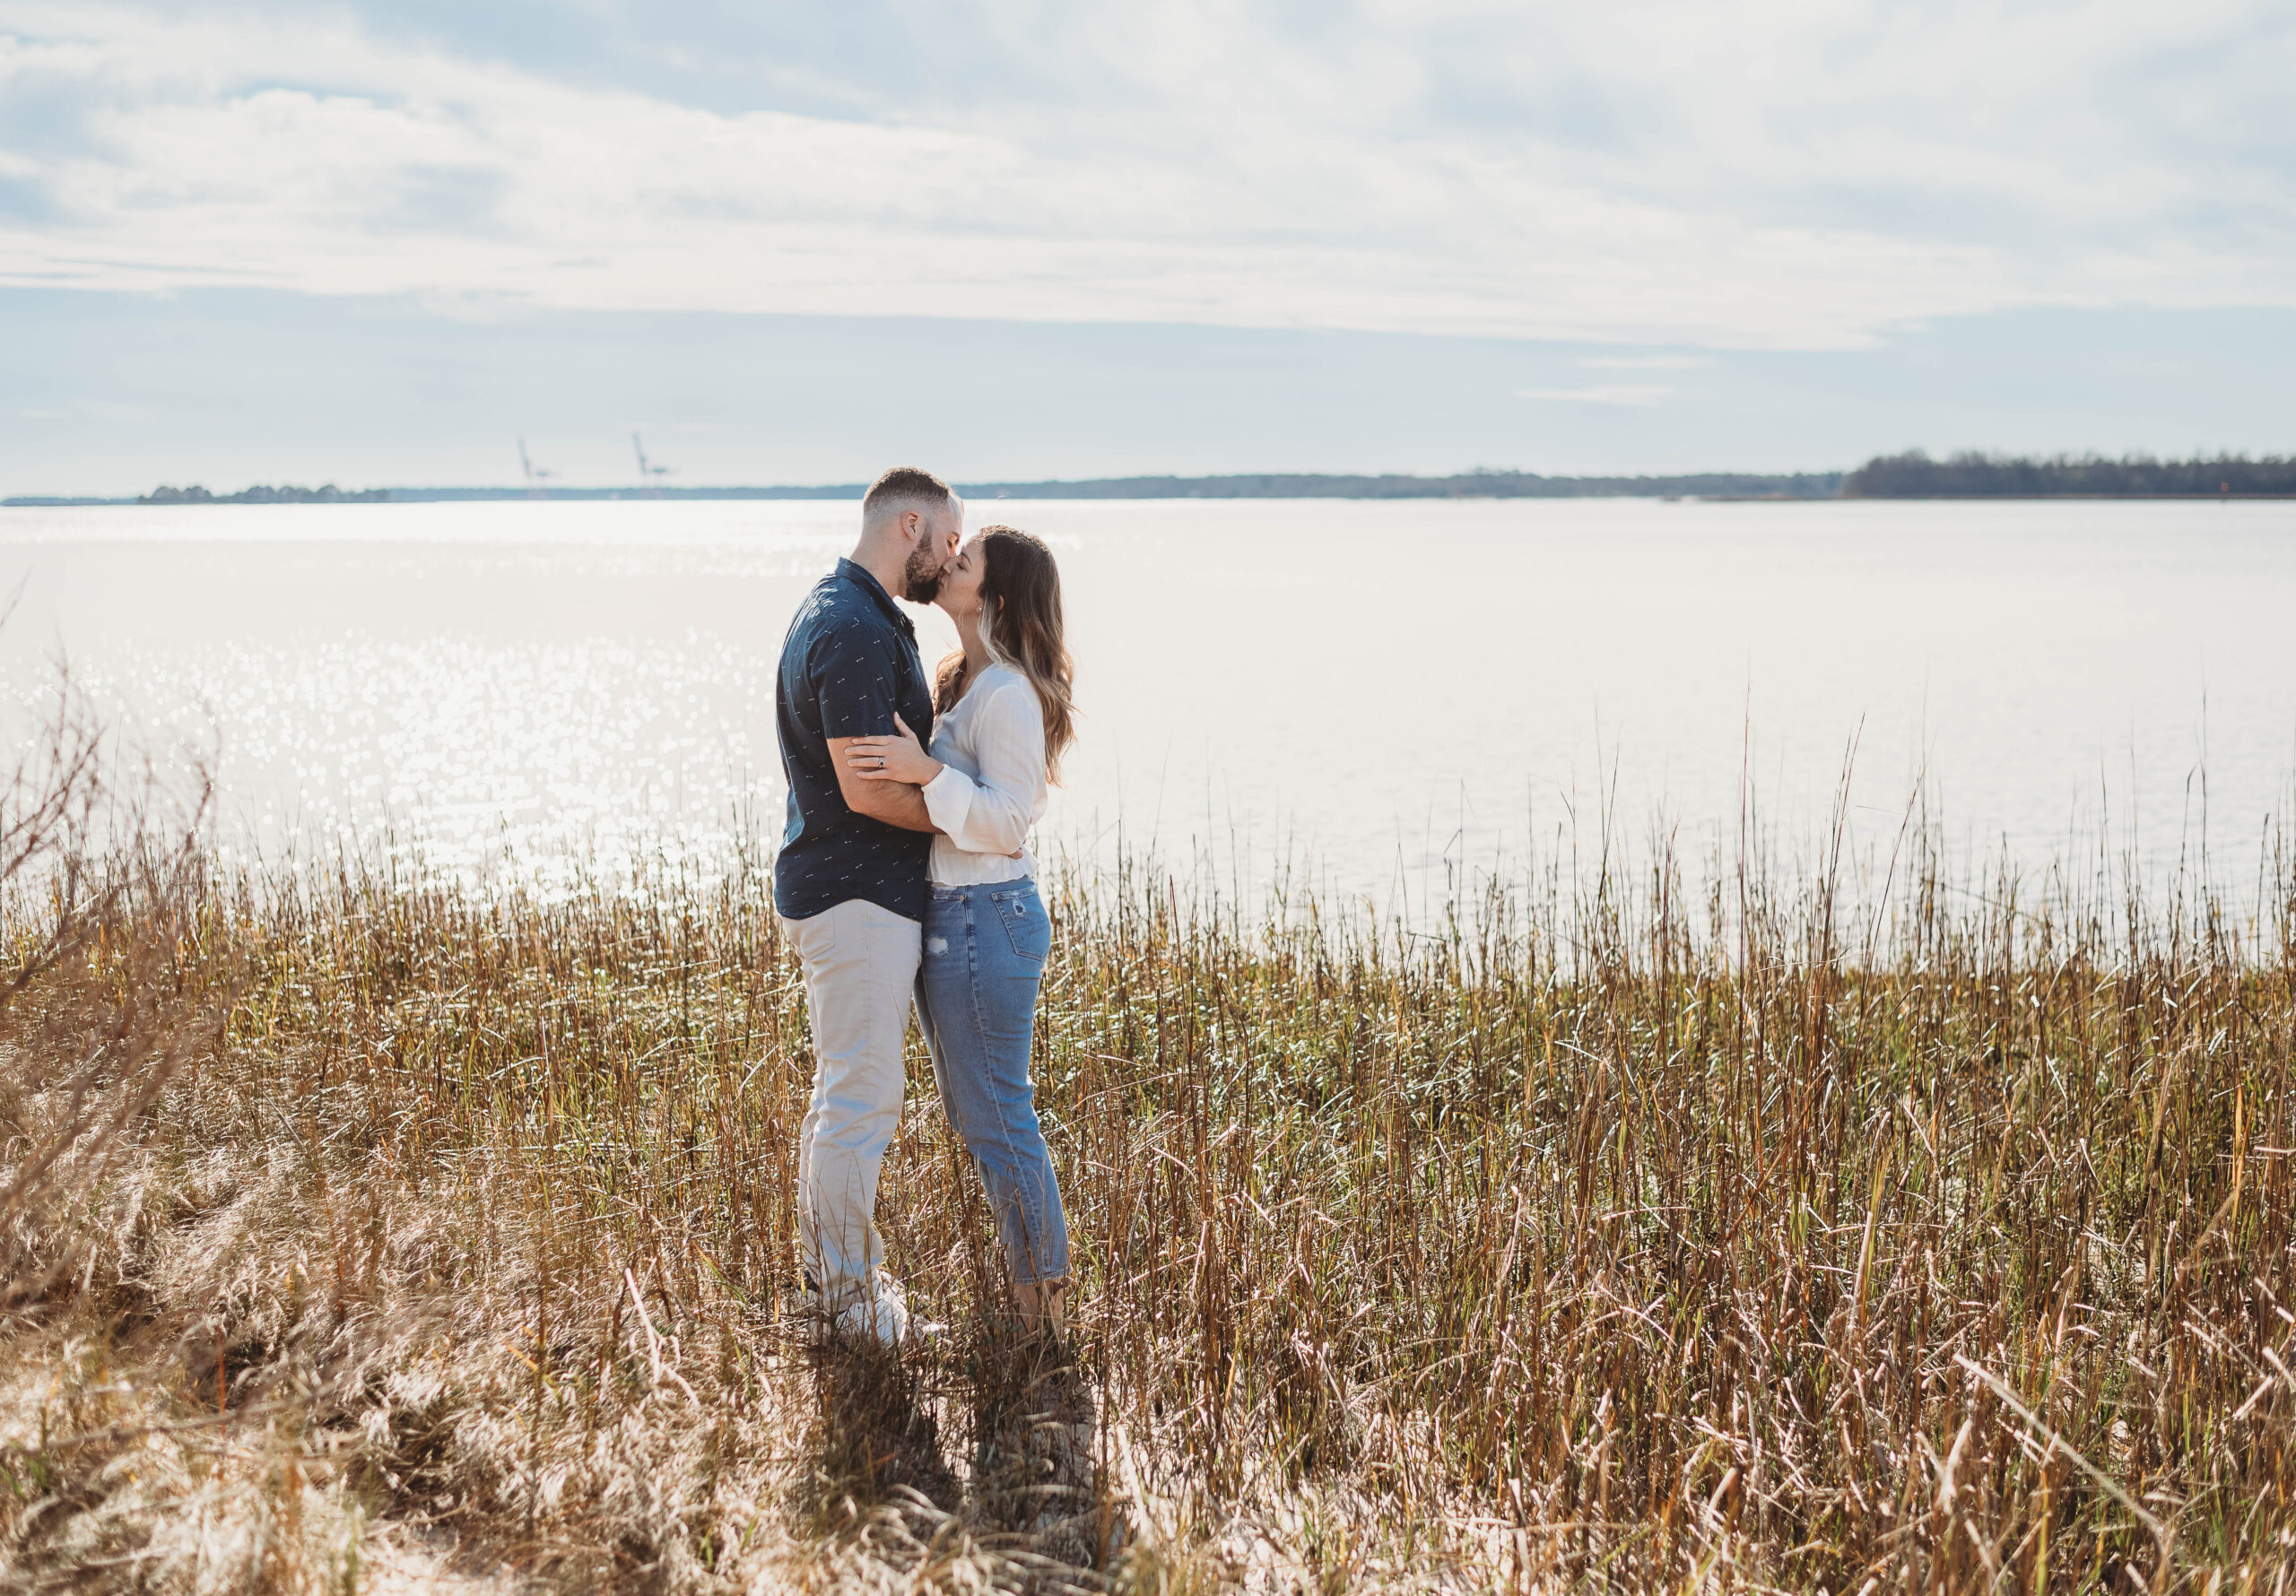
1607	1238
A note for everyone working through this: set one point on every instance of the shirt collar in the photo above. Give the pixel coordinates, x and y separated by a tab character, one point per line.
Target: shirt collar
860	577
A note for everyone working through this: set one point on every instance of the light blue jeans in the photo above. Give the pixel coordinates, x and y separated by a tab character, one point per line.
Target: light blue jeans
985	947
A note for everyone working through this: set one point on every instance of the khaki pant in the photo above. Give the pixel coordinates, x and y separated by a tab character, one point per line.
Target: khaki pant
860	963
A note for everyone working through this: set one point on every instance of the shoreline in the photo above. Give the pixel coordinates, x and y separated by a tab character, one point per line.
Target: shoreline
389	496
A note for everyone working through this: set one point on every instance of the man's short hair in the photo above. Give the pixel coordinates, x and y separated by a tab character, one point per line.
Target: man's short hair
905	487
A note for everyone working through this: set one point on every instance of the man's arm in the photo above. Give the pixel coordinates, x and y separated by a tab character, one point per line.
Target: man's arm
893	802
853	675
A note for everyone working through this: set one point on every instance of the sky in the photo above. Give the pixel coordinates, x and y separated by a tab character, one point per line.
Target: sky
380	243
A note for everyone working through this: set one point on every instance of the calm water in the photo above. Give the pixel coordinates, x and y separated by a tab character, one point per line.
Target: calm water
1379	692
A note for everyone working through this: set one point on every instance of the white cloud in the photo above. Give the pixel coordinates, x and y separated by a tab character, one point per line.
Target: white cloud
1796	174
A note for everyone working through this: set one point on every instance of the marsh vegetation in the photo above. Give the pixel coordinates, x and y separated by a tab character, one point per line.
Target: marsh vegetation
365	1230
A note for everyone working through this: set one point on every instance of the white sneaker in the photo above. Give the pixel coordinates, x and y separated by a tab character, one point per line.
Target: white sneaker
880	1313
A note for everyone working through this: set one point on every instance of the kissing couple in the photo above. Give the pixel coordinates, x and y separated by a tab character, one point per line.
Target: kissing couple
905	877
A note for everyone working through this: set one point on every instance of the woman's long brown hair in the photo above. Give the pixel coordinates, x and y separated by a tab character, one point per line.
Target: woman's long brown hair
1020	593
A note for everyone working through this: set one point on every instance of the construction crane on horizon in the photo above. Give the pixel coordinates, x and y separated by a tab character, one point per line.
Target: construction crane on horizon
536	477
649	475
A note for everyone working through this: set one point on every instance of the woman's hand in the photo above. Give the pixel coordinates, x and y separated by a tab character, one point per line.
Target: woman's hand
892	758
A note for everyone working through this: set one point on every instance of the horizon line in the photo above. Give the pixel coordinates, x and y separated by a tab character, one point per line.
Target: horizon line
1913	474
1493	482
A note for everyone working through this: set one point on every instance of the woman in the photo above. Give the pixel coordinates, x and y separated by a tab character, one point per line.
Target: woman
1003	719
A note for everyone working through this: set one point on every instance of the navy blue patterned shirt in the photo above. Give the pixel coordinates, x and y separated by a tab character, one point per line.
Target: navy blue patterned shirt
848	666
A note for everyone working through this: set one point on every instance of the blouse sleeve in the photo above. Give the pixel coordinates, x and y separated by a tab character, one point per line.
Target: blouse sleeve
993	815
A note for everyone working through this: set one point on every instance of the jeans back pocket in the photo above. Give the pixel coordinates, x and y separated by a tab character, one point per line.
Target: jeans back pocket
1031	932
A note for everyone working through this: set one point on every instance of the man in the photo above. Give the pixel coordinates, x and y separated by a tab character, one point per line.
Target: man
850	884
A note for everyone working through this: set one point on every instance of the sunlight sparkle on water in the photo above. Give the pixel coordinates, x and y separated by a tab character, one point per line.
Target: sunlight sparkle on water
1390	695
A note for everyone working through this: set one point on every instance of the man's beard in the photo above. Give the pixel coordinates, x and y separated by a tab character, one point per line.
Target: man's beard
920	579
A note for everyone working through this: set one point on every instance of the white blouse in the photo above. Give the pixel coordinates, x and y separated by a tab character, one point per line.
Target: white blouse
993	788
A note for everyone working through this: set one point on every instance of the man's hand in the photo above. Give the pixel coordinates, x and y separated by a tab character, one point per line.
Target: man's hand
893	802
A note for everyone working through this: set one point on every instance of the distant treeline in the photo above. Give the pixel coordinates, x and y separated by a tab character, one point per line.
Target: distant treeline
1915	475
330	494
1911	475
1474	484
